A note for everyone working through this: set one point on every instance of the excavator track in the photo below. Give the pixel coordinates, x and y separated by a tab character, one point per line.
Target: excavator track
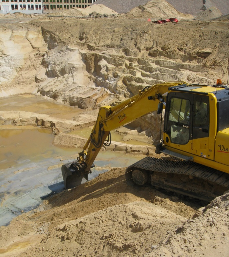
183	177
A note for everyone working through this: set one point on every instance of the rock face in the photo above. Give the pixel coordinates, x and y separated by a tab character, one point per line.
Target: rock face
21	51
67	79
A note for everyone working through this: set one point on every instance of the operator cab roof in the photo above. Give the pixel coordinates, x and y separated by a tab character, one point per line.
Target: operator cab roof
221	92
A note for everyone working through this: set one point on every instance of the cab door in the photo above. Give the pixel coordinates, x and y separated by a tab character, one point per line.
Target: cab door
178	121
187	123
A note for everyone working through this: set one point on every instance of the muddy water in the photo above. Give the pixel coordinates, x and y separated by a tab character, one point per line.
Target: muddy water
20	145
27	144
29	169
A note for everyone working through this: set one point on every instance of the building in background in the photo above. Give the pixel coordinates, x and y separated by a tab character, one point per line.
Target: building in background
66	4
23	6
38	6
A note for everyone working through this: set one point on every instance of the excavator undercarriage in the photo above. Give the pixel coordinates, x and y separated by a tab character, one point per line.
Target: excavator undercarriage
169	173
180	176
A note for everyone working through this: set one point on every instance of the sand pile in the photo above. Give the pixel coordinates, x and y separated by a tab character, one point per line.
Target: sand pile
116	231
98	8
156	9
76	12
82	12
104	217
223	18
206	235
108	217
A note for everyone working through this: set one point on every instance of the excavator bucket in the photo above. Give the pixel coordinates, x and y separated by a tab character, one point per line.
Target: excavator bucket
73	174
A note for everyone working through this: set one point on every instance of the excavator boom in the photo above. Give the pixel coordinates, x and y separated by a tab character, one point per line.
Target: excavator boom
110	118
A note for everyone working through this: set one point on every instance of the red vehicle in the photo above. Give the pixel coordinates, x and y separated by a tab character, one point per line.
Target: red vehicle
174	20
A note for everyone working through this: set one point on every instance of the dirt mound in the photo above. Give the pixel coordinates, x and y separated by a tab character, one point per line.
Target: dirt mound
76	12
205	235
108	217
98	8
103	216
156	9
81	12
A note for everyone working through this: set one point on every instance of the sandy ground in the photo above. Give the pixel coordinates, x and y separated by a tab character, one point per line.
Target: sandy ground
130	221
108	217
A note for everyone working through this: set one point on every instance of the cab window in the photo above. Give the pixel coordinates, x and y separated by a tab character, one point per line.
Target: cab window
200	113
201	117
179	120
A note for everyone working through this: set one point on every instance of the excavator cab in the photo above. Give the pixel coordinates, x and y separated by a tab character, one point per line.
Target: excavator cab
186	118
193	118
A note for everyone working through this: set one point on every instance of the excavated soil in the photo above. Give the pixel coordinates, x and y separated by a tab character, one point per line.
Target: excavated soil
86	59
108	217
104	217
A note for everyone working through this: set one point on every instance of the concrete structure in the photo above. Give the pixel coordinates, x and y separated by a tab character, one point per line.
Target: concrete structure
22	6
37	6
66	4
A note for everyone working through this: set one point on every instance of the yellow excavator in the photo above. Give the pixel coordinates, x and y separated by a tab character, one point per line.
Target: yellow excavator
194	146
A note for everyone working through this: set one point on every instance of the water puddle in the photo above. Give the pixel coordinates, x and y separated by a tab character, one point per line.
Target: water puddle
27	144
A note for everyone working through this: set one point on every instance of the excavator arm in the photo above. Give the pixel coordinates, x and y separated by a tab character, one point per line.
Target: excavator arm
110	118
